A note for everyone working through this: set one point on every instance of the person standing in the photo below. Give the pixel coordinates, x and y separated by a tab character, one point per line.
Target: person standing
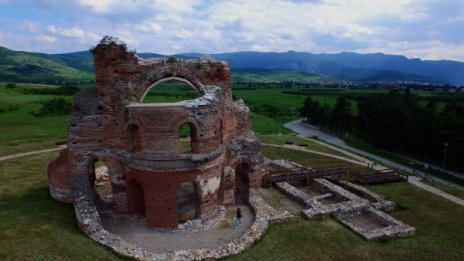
238	218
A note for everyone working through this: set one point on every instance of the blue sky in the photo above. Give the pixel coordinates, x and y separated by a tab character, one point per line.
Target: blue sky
427	29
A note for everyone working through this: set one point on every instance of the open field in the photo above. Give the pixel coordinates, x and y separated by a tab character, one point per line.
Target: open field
311	145
439	233
310	160
32	225
30	218
22	131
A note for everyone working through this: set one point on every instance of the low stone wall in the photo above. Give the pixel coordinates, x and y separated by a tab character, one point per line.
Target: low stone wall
320	210
294	193
378	201
391	226
89	220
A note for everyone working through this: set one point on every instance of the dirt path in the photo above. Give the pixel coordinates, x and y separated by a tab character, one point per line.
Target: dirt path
18	155
362	161
417	182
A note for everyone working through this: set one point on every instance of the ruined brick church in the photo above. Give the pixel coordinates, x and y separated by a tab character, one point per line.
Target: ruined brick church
139	142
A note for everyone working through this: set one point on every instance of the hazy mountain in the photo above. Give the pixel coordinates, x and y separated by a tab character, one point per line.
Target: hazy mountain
20	66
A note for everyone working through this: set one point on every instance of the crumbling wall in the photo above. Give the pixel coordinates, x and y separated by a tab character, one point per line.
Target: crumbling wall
139	143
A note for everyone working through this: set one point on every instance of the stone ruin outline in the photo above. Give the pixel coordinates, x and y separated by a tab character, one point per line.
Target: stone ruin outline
139	143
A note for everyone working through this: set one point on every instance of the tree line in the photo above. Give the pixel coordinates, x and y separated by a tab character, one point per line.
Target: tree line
399	122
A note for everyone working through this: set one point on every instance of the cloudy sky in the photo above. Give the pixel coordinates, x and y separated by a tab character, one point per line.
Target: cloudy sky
428	29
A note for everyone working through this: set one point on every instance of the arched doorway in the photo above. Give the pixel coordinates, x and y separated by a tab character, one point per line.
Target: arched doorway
186	202
242	183
136	198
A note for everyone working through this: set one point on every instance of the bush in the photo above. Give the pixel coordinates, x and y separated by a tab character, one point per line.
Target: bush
11	86
55	106
9	108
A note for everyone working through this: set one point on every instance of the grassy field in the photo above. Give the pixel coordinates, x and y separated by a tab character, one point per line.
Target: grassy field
310	159
276	77
35	227
32	225
438	223
311	145
21	131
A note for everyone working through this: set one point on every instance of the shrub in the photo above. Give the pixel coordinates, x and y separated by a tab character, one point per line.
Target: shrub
55	106
9	108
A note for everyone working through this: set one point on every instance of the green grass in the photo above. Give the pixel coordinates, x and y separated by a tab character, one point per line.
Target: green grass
32	225
277	77
30	220
281	139
438	223
21	131
310	159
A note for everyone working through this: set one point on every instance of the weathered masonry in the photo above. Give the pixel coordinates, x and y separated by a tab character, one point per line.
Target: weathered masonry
139	142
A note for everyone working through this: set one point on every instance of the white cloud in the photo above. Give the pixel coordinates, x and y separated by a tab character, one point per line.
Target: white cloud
148	27
429	29
46	39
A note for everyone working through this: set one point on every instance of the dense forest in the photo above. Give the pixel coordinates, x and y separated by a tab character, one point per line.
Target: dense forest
399	122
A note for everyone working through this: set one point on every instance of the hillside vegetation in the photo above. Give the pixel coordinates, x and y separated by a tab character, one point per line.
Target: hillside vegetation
30	67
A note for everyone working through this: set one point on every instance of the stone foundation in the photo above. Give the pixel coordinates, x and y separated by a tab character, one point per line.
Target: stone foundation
378	201
387	226
359	214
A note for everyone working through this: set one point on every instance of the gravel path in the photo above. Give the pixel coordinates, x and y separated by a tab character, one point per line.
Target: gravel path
417	182
135	231
12	156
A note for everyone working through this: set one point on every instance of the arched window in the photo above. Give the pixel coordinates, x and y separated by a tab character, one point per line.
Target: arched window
170	90
187	138
186	202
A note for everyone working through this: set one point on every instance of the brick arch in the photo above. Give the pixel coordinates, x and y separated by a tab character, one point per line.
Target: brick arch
198	88
194	128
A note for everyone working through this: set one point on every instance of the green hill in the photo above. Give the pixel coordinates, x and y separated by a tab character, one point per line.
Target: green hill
18	66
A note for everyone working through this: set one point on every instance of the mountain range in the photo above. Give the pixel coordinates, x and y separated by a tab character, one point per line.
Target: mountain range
18	66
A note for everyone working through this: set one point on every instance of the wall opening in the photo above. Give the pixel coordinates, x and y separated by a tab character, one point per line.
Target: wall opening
101	186
136	198
171	90
186	202
187	138
242	183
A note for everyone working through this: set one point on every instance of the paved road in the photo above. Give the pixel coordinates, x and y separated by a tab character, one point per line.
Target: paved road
305	130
